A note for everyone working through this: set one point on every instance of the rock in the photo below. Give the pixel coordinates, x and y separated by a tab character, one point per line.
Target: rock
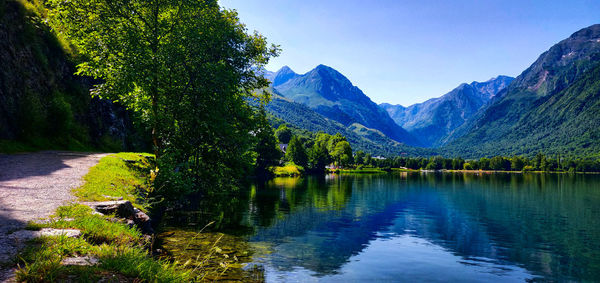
25	235
71	233
143	221
121	208
80	261
113	198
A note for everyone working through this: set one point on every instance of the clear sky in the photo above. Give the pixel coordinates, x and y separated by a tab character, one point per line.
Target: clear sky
405	52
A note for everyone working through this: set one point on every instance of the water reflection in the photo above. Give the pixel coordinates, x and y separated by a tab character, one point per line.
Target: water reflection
426	226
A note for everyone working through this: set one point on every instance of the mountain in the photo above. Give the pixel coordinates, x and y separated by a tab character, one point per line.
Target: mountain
552	107
436	118
360	137
332	95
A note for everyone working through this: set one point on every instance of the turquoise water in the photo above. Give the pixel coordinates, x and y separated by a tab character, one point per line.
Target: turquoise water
414	227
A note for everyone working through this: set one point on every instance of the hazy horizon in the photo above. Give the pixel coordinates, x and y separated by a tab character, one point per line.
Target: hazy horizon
406	53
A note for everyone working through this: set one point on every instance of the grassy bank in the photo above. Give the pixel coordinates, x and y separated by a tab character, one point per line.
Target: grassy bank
122	251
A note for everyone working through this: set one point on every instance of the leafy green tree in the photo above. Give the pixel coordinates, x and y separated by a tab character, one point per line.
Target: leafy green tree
266	148
368	159
499	163
517	163
334	140
457	163
187	67
435	163
359	157
296	152
484	163
319	155
342	153
283	133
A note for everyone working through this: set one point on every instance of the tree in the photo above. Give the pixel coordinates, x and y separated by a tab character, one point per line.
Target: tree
296	152
368	159
359	157
186	66
499	163
267	151
319	155
517	163
342	153
283	133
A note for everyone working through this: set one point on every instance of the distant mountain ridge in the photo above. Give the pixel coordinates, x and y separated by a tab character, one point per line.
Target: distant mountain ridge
332	95
552	107
434	119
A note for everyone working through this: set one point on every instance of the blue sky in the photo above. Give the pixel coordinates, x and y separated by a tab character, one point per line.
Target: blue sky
405	52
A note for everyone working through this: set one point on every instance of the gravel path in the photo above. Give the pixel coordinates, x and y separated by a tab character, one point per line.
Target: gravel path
32	186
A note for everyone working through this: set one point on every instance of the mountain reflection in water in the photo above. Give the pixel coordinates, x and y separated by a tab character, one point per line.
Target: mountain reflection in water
509	227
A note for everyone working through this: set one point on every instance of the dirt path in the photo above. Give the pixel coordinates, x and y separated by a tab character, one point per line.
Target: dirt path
32	186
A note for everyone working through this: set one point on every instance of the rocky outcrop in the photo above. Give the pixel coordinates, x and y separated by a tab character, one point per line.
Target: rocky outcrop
124	210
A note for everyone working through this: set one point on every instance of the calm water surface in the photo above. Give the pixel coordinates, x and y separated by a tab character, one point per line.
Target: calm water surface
409	227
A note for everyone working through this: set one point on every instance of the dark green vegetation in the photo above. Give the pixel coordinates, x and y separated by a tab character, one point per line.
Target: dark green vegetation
120	249
42	104
433	120
313	152
332	95
539	162
303	119
552	107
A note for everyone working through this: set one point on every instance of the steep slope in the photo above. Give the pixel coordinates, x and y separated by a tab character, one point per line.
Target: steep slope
332	95
552	107
42	104
432	120
360	137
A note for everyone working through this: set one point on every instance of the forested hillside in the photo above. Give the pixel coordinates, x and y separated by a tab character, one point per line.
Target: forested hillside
42	104
552	107
360	137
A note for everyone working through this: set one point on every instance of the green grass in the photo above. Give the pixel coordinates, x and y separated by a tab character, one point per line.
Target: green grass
119	175
359	171
121	250
288	170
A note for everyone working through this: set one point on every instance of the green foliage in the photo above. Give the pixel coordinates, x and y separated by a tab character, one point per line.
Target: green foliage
318	155
497	163
266	148
45	106
283	133
187	67
296	152
342	153
288	170
301	120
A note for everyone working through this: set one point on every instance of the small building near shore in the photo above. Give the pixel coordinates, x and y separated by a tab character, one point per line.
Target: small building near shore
283	147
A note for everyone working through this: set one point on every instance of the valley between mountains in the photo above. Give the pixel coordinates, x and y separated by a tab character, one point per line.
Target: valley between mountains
551	107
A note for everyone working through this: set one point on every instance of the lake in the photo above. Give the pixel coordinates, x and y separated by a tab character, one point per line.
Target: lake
396	227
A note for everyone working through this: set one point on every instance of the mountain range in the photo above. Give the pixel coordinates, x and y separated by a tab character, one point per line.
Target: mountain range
552	107
331	94
434	119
